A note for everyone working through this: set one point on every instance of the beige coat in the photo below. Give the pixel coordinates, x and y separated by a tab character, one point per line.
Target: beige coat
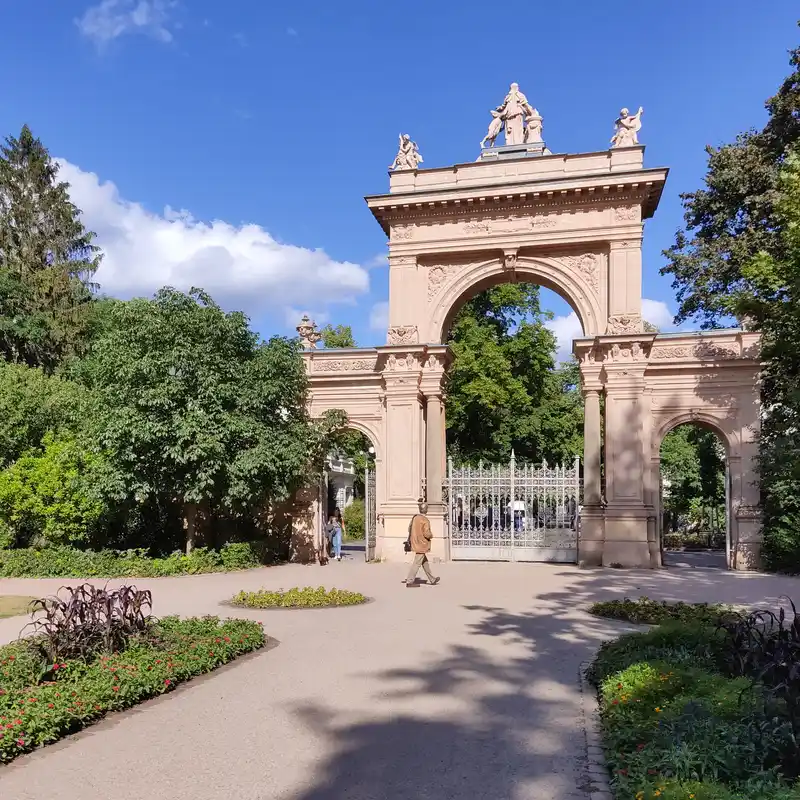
420	534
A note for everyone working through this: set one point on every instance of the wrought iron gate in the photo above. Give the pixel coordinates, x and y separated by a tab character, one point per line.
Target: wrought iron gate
514	512
370	515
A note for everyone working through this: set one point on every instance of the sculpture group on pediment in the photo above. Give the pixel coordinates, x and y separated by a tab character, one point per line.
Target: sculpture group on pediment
520	120
408	156
626	128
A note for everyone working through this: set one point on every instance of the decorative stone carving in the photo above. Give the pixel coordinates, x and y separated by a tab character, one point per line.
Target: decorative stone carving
544	221
627	126
308	333
437	277
402	334
626	213
345	365
433	362
702	351
628	351
477	228
402	261
408	156
624	323
510	260
402	231
587	265
706	350
517	116
668	353
397	363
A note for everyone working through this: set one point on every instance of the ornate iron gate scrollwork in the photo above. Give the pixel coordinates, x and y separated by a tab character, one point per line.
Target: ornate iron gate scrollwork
370	515
514	512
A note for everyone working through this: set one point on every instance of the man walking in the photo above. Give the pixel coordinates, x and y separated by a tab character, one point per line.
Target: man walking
419	539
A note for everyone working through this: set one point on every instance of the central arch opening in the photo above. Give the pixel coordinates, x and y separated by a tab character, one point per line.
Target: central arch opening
513	415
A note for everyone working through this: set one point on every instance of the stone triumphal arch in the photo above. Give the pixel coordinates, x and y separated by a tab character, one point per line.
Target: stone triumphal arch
572	223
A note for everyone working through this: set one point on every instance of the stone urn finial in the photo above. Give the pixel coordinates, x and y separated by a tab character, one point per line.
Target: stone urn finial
308	333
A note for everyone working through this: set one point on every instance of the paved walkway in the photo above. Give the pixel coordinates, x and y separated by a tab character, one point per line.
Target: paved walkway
464	690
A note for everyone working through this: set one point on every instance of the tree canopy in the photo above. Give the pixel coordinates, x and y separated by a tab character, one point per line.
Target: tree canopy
47	258
190	409
735	216
338	336
502	391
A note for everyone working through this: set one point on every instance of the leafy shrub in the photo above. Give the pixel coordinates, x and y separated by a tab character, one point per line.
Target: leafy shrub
652	612
79	692
298	598
353	518
65	562
673	642
88	620
686	724
47	497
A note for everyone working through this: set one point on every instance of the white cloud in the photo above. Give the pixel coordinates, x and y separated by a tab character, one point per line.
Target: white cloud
113	18
565	328
657	313
379	316
242	267
568	327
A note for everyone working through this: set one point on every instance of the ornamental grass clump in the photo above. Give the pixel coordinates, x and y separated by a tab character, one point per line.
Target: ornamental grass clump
298	598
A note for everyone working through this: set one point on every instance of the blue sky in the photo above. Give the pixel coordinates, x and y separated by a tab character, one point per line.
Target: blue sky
230	144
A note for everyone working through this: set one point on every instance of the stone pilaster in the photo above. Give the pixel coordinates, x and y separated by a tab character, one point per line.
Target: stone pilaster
431	387
626	511
592	529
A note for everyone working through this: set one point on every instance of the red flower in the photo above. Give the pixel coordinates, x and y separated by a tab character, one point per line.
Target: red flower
21	742
167	682
2	692
115	688
158	661
63	666
615	702
55	666
619	686
227	638
623	772
211	652
640	747
50	705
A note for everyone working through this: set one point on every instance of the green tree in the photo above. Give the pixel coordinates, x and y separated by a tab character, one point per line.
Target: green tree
192	412
33	404
49	497
47	258
771	299
339	336
502	392
736	215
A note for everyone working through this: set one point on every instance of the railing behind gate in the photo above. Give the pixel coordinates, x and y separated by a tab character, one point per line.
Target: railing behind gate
514	511
370	515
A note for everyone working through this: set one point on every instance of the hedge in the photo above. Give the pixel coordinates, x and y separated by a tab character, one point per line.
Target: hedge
65	562
677	726
34	712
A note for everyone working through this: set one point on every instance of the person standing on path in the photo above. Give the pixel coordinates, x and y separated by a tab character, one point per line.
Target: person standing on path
419	539
335	535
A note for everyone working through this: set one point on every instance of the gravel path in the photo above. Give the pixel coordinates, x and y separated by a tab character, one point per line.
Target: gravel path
464	690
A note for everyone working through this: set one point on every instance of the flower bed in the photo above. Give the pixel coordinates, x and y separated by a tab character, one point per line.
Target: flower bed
299	598
65	562
41	702
653	612
683	716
